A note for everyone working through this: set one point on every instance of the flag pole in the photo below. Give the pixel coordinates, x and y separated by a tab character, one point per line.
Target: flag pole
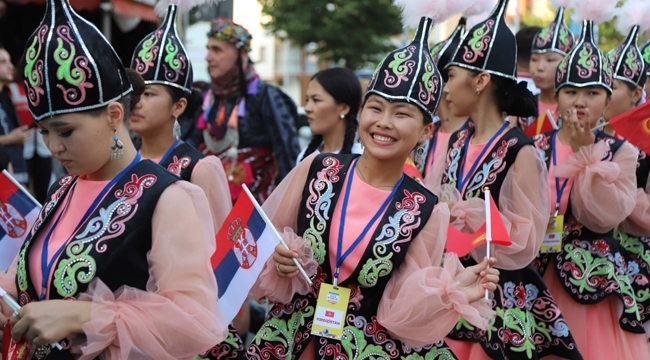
598	126
8	175
488	229
552	120
275	231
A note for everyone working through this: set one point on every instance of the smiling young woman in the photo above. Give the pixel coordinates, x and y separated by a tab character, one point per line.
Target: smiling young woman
109	236
359	223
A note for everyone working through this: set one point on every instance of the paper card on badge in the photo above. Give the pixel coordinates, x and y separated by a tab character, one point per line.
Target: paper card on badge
329	317
553	237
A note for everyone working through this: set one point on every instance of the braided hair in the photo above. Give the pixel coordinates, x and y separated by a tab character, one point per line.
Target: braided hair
344	86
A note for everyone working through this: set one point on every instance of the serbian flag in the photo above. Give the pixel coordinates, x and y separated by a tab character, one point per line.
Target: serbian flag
634	126
544	123
493	231
18	212
411	170
244	243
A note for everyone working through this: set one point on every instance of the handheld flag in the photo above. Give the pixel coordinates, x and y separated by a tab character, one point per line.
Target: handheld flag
542	124
634	126
461	243
18	212
246	241
411	170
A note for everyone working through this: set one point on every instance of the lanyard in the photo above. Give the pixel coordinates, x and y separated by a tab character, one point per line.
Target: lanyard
340	258
46	267
559	190
463	180
171	149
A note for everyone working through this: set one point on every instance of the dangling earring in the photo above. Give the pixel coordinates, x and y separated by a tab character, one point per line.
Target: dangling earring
363	147
177	128
117	149
419	152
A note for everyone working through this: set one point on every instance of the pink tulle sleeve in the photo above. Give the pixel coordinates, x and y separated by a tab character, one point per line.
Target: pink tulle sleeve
208	174
282	208
176	318
525	207
638	223
421	292
603	192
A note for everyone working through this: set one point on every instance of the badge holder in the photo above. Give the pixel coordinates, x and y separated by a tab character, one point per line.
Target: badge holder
331	309
553	238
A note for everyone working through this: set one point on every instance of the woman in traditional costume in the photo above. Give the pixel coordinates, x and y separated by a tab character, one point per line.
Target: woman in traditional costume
360	225
482	85
126	240
593	188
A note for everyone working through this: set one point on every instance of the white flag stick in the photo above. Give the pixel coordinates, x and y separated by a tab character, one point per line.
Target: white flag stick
552	120
8	175
488	229
275	231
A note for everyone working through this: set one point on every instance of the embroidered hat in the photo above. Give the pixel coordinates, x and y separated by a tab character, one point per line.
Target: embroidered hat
645	51
61	69
226	30
585	65
489	46
444	50
626	58
556	36
161	57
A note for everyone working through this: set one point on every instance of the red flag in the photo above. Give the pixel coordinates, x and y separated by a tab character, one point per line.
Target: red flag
542	124
462	243
634	126
411	170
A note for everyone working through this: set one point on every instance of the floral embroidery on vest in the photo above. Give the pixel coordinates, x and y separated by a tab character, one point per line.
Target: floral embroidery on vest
178	165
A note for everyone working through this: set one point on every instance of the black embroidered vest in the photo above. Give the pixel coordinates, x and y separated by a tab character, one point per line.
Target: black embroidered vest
111	245
642	170
182	160
287	333
592	266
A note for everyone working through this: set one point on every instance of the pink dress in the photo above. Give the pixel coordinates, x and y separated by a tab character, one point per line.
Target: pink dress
181	293
601	195
419	293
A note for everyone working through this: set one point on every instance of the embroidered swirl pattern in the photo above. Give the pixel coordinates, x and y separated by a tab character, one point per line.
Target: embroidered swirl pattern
33	72
175	62
177	165
479	42
78	266
431	82
73	69
318	205
562	69
633	65
565	40
399	225
488	172
148	54
587	61
450	175
545	36
400	67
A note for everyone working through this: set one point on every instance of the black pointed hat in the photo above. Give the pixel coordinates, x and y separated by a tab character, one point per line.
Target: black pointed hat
161	57
409	73
69	66
645	51
585	65
489	46
443	51
627	60
555	37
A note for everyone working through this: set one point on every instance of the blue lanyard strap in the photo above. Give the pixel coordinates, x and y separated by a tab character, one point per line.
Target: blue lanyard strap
46	267
462	180
341	258
559	190
171	149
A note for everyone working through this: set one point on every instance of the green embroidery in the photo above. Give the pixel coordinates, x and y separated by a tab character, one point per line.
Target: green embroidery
634	246
523	323
21	274
563	37
398	65
31	55
170	58
78	267
462	323
145	53
357	348
646	54
546	34
427	77
631	61
476	42
373	269
284	331
584	58
65	59
437	48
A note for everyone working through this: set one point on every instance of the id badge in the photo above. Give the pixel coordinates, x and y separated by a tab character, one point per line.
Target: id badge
553	238
331	308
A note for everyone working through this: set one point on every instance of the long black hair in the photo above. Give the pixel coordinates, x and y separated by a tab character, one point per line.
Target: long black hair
511	96
344	86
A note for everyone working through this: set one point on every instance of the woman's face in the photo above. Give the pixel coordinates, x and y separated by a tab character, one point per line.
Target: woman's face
81	142
592	98
460	92
391	130
542	69
155	109
623	99
323	113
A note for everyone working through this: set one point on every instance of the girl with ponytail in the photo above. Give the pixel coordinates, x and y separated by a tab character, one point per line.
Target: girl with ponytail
333	99
492	154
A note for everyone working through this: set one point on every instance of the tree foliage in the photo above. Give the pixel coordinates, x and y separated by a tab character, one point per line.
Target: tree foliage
352	33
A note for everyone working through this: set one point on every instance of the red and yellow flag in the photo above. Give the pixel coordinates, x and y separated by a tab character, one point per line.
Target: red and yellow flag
634	126
542	124
411	170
